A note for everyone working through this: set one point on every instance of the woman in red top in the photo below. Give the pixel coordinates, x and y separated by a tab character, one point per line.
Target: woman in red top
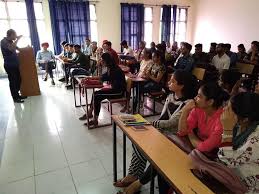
203	113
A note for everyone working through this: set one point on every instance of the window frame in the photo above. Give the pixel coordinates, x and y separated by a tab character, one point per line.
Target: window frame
93	21
177	22
9	20
150	22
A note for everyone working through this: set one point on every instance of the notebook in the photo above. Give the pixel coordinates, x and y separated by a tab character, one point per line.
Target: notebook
133	120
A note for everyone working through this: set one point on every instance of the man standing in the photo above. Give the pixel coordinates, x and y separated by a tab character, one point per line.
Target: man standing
11	64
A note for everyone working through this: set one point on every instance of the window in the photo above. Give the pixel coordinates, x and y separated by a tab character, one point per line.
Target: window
40	21
93	23
180	25
13	15
148	26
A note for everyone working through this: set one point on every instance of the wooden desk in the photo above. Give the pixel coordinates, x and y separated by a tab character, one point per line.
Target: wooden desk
78	79
169	160
138	81
86	105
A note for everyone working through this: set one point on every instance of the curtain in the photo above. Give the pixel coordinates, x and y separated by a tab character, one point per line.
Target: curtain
35	42
174	20
166	23
132	23
70	21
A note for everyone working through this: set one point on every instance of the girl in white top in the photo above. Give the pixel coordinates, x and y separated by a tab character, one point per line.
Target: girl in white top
145	64
240	122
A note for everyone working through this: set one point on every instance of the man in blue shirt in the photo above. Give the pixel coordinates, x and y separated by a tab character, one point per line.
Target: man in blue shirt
11	63
185	61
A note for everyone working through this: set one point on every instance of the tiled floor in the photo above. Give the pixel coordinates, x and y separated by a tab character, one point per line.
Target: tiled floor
45	149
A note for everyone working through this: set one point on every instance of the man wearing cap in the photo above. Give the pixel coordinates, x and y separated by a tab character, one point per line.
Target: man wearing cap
11	64
45	59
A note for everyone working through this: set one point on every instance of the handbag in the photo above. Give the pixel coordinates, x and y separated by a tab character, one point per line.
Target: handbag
184	144
218	177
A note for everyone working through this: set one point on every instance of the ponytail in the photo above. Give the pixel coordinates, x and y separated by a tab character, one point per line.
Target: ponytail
215	92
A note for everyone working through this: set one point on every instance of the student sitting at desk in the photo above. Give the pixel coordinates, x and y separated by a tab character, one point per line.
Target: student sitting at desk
116	78
185	61
87	47
183	87
203	113
94	48
127	50
240	120
79	65
253	54
107	47
155	74
45	58
62	55
64	46
145	64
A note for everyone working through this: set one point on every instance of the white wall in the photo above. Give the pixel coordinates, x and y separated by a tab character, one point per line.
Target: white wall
109	18
233	21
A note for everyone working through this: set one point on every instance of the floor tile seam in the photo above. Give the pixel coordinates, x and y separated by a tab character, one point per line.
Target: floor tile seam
70	171
50	171
14	181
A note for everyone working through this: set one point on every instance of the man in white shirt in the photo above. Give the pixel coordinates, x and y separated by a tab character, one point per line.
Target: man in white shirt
221	61
127	50
88	47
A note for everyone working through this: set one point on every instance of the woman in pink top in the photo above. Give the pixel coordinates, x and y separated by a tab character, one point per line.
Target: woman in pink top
204	113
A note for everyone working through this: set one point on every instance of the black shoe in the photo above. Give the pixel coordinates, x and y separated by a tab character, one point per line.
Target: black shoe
69	86
62	79
18	100
52	82
82	118
22	97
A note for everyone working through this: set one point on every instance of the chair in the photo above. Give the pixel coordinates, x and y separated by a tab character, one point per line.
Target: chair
42	68
199	73
157	96
124	99
245	68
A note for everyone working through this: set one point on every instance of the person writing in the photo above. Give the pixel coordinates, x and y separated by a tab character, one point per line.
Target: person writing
11	64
